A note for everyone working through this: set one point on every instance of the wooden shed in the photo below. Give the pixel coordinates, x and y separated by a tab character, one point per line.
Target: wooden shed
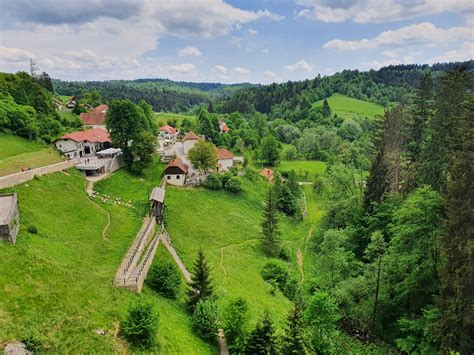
157	204
9	217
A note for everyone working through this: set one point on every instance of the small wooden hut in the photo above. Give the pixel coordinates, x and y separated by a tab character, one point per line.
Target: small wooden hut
157	204
9	217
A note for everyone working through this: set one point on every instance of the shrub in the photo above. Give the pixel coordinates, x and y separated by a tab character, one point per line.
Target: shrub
214	182
226	177
291	288
33	340
274	271
234	184
251	174
235	322
205	317
140	326
32	230
165	279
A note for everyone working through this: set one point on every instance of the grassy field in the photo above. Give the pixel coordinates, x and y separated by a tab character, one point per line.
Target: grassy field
17	153
59	281
305	169
163	117
347	107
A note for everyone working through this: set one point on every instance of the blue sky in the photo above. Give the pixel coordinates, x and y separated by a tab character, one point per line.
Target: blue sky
229	41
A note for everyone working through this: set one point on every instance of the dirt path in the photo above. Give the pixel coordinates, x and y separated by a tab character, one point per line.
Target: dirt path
221	264
299	261
89	189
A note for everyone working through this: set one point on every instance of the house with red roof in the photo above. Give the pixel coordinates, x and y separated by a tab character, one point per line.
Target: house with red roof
95	118
225	160
168	132
189	140
176	172
223	126
267	174
83	143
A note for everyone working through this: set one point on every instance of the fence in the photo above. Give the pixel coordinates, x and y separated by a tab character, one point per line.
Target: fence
21	177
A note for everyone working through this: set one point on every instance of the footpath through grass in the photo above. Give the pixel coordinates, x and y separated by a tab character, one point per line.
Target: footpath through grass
17	153
347	107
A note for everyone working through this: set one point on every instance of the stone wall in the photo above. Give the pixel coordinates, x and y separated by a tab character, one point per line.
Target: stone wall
21	177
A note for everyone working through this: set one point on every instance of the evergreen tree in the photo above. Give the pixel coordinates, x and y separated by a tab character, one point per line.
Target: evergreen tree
210	108
45	80
263	340
456	305
294	340
270	230
200	287
326	109
444	130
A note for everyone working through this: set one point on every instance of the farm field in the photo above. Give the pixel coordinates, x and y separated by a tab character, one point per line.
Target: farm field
59	281
17	153
347	107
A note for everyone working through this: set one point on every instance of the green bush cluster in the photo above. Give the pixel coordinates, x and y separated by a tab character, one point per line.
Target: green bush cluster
165	279
226	181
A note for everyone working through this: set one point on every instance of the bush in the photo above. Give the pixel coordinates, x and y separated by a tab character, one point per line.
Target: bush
214	182
33	340
140	326
274	271
251	174
32	230
234	184
291	288
165	279
226	177
235	323
205	317
318	185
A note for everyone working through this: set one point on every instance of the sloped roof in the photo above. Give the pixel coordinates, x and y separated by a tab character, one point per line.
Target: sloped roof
157	194
93	118
267	173
167	128
190	136
95	135
224	154
177	163
225	128
101	108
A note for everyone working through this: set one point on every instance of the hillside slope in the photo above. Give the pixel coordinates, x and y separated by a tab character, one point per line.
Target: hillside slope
348	107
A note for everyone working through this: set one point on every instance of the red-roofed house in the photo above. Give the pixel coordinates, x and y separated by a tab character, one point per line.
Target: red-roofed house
95	118
225	160
167	132
267	174
189	140
175	172
223	126
82	143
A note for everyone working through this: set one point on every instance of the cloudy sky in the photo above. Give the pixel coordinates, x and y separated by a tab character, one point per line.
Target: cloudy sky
229	41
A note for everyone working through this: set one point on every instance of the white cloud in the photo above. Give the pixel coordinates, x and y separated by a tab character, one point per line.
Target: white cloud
220	69
252	32
418	34
189	52
375	11
241	71
301	66
271	76
15	55
185	68
466	52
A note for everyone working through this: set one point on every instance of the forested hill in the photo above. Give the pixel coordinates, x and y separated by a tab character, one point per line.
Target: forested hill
162	94
384	86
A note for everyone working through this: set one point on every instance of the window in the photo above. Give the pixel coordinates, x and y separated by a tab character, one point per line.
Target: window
168	177
177	177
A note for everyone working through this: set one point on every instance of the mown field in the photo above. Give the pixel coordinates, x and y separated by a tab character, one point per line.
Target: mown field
17	153
347	107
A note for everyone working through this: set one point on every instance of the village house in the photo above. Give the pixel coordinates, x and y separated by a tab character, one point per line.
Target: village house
83	143
223	128
9	217
168	132
58	104
175	172
95	118
189	141
267	174
225	160
71	103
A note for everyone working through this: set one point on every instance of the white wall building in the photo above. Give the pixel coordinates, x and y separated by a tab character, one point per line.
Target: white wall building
189	141
225	160
83	143
176	172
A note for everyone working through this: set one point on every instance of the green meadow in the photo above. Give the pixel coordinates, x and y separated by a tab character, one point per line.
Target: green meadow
347	107
163	117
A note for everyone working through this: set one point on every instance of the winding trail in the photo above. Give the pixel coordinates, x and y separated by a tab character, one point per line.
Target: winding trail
89	190
221	264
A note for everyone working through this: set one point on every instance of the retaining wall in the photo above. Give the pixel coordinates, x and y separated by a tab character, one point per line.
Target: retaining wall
21	177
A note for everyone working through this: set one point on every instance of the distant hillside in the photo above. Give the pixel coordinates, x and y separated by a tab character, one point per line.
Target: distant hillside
347	107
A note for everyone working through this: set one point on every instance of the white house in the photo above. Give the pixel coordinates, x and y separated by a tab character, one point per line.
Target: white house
83	143
168	132
225	160
189	141
175	172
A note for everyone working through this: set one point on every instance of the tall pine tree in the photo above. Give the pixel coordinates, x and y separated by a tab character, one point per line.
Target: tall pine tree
200	287
270	231
294	340
263	340
456	305
326	108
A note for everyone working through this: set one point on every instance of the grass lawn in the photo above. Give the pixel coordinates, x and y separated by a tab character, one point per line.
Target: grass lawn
163	117
59	282
347	107
17	152
305	169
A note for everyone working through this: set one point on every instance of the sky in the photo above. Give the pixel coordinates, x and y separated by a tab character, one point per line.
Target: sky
261	41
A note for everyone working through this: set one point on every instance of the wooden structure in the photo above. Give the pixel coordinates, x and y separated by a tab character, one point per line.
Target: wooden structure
157	204
9	217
